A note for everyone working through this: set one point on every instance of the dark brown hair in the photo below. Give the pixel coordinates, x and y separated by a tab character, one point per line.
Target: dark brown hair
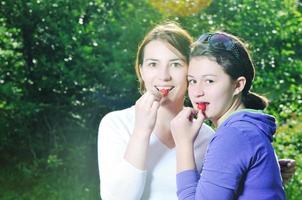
235	61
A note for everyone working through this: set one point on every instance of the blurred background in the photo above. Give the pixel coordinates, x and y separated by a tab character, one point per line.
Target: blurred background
66	63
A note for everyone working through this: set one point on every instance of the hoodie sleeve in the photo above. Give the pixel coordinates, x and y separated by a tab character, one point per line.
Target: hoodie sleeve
225	163
119	179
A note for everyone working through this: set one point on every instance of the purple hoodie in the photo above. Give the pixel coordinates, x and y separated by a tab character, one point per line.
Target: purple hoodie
240	162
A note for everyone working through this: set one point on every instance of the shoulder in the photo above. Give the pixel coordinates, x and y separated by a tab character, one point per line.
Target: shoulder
240	142
232	135
119	115
118	120
248	128
230	144
231	139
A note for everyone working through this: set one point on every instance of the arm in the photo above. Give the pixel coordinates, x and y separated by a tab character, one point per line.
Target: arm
223	168
184	131
189	187
146	109
119	179
122	162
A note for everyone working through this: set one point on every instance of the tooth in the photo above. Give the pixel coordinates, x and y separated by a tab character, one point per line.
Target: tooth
167	88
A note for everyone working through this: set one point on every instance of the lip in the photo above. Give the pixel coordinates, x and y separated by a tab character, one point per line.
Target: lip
158	88
198	102
207	103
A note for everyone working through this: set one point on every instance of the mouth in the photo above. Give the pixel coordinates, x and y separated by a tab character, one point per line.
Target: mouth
164	90
168	88
202	106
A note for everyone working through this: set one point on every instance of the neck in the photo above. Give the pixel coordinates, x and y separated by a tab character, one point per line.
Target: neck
162	130
237	105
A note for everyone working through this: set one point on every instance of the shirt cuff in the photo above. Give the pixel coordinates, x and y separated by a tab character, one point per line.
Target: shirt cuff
187	178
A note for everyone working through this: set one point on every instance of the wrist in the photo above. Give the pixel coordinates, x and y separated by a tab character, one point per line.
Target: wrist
184	144
185	158
141	135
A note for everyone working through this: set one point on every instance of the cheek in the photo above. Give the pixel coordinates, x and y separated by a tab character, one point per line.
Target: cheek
180	77
147	74
221	99
190	91
193	93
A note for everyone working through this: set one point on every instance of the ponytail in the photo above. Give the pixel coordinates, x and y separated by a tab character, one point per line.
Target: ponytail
255	101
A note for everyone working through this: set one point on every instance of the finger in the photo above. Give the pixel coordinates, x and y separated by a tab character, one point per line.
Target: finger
199	120
200	115
150	98
187	113
155	106
157	95
183	115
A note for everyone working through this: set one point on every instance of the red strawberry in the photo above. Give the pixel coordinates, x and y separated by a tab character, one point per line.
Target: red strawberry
202	106
164	92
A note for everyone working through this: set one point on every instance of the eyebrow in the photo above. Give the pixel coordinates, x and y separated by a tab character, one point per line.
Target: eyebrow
151	59
191	76
171	60
177	59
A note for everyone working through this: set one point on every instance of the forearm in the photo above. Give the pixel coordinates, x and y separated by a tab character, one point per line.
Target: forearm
137	149
191	187
184	131
185	157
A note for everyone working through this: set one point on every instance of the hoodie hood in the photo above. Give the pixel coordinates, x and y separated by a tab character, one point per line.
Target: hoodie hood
264	122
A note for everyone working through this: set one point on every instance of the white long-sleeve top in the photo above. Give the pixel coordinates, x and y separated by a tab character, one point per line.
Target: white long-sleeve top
122	181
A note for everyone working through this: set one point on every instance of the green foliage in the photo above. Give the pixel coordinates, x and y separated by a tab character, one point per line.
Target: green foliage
288	144
49	179
65	63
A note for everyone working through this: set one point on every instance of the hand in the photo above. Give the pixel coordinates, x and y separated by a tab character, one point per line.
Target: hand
288	168
146	108
184	127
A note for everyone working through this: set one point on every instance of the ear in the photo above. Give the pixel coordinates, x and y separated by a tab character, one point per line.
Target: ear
239	85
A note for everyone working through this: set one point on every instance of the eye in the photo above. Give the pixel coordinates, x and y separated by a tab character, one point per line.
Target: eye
176	64
192	81
152	64
209	81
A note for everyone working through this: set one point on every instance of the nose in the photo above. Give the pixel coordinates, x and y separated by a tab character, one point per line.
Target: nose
164	73
196	90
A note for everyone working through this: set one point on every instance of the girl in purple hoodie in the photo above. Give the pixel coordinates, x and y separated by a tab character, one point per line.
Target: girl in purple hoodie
240	162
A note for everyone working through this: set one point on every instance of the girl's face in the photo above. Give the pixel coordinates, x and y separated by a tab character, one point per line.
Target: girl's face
164	68
209	84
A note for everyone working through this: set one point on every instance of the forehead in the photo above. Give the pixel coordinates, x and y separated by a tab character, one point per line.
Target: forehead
161	50
203	65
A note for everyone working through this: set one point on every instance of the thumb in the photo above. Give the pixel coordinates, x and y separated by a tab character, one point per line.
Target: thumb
199	120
